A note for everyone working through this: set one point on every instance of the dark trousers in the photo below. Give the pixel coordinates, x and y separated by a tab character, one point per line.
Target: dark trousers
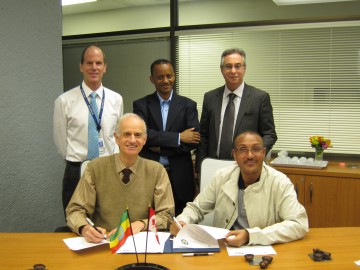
179	204
70	181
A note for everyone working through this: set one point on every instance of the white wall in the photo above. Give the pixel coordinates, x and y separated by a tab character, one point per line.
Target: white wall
31	78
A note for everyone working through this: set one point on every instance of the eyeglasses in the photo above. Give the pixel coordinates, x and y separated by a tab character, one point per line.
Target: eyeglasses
244	151
229	67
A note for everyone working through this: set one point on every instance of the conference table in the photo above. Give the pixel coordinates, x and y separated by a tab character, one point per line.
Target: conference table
24	250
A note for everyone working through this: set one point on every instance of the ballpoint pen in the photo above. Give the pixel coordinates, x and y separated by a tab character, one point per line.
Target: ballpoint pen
176	221
93	225
197	254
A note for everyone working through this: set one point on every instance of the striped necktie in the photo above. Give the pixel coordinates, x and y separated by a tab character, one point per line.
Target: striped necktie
93	134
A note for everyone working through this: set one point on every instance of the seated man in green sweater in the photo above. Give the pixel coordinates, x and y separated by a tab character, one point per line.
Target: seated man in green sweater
104	191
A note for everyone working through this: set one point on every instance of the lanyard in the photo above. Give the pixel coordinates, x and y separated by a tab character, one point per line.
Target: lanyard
98	124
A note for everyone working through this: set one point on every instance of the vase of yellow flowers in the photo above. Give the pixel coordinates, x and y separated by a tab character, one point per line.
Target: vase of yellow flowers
319	143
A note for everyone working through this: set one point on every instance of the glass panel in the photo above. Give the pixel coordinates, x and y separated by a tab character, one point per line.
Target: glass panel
128	66
197	12
312	76
112	16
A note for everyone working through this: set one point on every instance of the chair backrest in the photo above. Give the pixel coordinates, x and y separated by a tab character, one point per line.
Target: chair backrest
83	167
208	168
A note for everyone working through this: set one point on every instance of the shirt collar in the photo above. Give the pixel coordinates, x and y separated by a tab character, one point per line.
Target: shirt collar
88	91
238	91
161	99
120	166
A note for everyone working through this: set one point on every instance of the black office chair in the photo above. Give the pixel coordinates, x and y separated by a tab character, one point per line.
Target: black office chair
63	229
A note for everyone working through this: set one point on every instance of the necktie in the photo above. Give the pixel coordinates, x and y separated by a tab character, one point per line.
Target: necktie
227	129
126	178
93	134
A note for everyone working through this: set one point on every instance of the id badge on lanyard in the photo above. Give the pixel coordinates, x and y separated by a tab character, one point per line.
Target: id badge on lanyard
98	123
101	147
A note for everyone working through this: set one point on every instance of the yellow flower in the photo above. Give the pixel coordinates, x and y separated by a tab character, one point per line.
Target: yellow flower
320	143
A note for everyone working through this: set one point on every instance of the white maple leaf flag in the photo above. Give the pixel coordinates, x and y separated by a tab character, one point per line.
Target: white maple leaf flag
152	224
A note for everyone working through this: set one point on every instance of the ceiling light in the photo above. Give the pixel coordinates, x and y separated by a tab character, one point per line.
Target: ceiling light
74	2
299	2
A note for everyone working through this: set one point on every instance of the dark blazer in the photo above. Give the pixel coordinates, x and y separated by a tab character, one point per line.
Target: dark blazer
255	113
182	115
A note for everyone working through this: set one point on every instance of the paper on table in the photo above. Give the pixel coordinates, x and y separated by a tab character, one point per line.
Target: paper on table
256	250
217	233
194	236
140	242
78	243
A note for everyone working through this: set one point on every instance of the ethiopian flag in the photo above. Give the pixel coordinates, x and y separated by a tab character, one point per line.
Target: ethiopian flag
121	234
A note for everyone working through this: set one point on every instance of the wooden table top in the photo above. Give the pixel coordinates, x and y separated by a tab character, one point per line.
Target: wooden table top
23	250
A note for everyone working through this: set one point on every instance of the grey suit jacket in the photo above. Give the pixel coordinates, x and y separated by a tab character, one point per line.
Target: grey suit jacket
255	113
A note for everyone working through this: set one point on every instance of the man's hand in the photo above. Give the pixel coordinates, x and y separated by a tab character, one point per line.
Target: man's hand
237	238
174	228
137	226
190	136
91	235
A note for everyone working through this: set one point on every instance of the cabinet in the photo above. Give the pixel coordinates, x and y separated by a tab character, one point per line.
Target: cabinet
331	196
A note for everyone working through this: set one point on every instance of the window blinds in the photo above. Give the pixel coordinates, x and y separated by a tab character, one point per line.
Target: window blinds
311	71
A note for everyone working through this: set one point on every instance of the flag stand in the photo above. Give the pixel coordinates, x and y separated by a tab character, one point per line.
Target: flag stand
145	265
142	266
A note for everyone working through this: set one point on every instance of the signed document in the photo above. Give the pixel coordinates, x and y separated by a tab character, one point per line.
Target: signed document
195	236
79	243
152	245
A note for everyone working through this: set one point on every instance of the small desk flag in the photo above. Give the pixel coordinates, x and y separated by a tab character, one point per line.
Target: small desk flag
122	232
152	223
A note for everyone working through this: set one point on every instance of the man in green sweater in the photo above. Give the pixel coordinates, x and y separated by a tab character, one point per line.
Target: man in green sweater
111	184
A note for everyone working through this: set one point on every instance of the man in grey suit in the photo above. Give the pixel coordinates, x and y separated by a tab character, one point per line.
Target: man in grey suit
173	131
243	107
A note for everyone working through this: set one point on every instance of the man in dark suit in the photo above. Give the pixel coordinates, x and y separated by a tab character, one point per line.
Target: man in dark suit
173	131
250	110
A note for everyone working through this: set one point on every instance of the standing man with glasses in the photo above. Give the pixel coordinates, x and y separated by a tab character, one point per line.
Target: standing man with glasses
173	131
231	109
253	200
85	119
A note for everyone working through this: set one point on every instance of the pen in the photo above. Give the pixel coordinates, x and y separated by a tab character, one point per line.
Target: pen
176	221
93	225
197	254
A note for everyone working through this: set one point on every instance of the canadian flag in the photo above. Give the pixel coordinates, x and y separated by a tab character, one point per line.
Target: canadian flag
152	224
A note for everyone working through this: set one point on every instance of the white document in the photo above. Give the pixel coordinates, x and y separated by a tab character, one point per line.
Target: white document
78	243
140	241
217	233
256	250
194	236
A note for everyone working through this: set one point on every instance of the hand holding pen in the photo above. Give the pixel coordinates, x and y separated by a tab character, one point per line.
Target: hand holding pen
93	225
176	226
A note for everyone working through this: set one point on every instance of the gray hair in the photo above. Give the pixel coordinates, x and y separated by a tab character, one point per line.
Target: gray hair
232	51
127	116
